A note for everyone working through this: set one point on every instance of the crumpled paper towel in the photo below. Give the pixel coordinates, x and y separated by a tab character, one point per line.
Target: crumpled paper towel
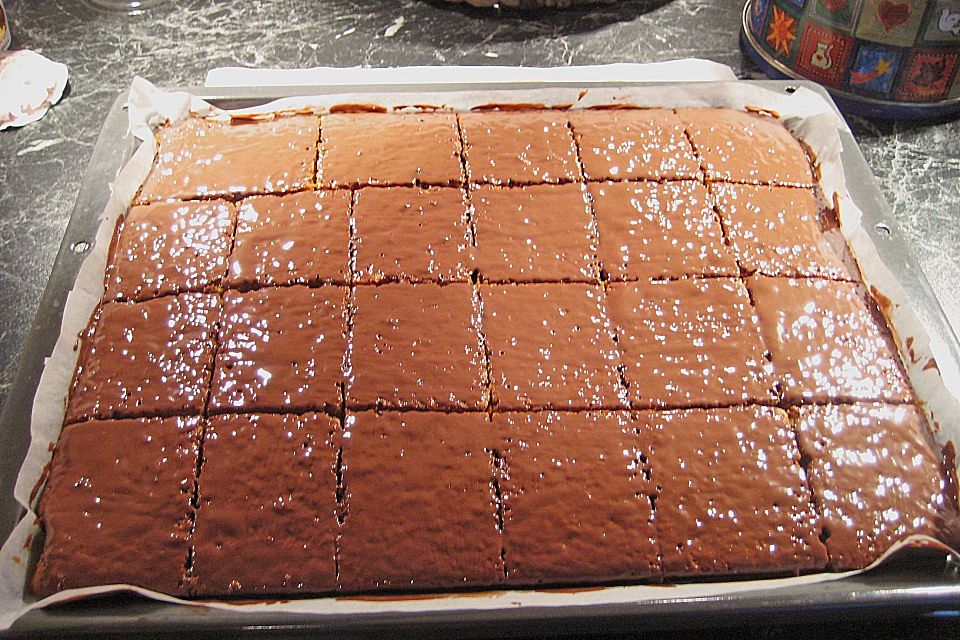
29	85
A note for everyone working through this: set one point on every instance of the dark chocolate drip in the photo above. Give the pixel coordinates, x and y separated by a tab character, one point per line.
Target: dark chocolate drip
499	468
189	576
805	460
490	399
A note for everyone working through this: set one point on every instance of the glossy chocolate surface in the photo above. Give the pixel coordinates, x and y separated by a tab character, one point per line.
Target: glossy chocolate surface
389	149
778	231
746	147
116	508
576	492
536	233
267	516
658	230
877	478
409	233
574	377
148	358
551	346
281	349
518	147
416	345
621	144
206	158
731	494
170	248
689	343
826	342
298	238
420	503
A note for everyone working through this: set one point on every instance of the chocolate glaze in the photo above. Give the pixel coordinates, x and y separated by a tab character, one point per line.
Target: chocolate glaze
689	343
550	346
146	359
826	343
170	248
746	147
509	107
911	352
350	107
658	230
777	231
534	233
281	348
614	106
205	158
877	478
389	149
520	147
634	143
419	499
266	520
416	345
576	498
42	480
464	491
299	238
406	597
408	233
731	494
885	304
117	506
420	107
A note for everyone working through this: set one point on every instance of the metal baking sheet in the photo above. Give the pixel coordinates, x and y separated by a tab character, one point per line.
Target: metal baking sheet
924	581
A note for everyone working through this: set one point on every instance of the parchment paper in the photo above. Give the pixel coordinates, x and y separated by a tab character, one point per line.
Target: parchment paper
804	112
689	70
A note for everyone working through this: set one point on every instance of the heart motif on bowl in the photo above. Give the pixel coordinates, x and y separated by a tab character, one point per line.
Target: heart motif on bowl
892	14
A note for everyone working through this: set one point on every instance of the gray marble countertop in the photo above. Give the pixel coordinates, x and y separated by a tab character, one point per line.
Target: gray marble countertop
175	43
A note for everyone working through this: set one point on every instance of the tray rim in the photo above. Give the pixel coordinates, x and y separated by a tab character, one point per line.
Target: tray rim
907	593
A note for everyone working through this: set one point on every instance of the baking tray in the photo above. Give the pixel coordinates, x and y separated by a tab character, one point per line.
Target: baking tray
919	582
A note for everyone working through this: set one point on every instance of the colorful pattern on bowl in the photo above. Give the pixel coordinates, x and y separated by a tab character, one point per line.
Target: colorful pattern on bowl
905	51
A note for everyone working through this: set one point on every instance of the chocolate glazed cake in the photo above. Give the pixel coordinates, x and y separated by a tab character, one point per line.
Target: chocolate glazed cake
431	351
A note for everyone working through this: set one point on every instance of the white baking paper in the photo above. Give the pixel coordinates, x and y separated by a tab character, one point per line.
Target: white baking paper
689	70
805	112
